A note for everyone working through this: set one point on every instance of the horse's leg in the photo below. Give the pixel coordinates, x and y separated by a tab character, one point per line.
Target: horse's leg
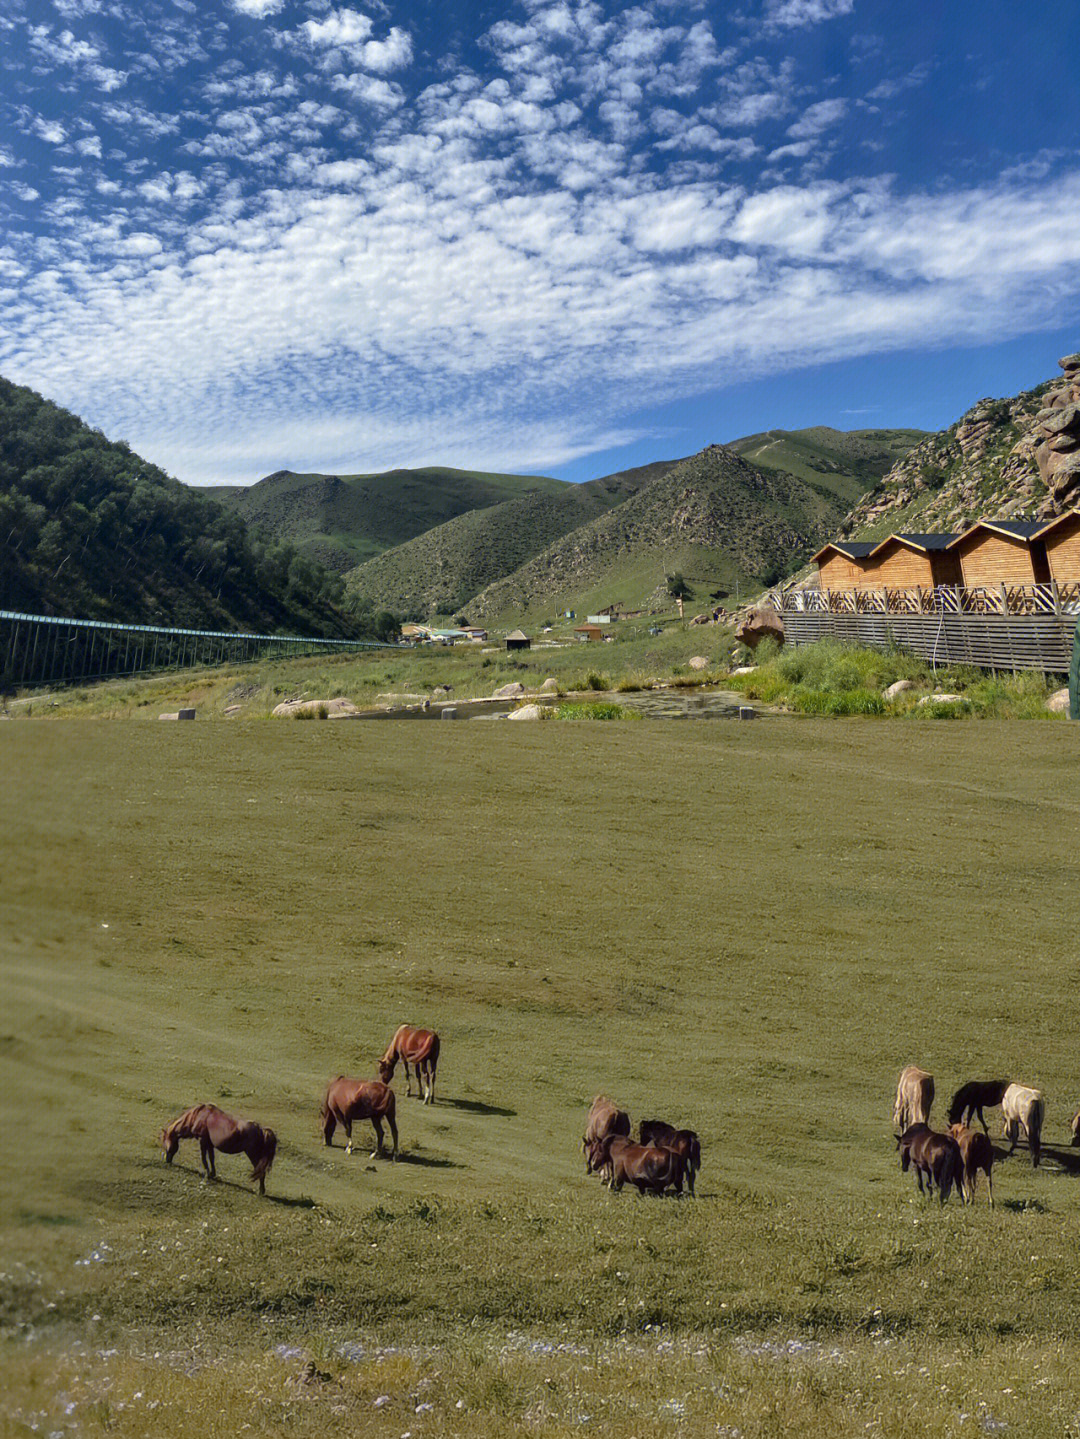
376	1124
990	1184
982	1120
206	1149
429	1076
393	1130
408	1077
329	1125
346	1124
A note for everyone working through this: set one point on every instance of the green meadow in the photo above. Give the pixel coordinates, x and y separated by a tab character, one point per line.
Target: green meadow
744	928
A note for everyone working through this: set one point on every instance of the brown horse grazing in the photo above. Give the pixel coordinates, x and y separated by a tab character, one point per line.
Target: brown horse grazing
646	1167
349	1099
935	1157
418	1047
605	1118
977	1153
975	1096
214	1129
666	1136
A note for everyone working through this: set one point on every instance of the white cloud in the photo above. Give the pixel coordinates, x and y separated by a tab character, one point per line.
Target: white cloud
49	130
341	27
258	9
817	118
795	14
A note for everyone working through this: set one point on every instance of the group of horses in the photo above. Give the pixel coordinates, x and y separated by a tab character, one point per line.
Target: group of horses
663	1158
955	1157
345	1101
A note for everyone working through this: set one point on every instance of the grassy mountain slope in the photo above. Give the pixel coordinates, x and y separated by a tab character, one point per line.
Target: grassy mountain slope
441	570
982	466
838	464
91	530
342	520
713	517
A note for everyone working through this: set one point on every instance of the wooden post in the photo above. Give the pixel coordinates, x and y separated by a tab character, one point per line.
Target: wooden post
1004	599
1056	596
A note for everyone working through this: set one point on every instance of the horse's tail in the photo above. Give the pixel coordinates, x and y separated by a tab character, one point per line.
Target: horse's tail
266	1159
695	1150
433	1053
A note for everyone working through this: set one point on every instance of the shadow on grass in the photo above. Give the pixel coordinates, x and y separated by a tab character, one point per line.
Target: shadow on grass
428	1161
477	1106
299	1202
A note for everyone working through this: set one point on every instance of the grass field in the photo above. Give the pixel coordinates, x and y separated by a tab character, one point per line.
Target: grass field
744	928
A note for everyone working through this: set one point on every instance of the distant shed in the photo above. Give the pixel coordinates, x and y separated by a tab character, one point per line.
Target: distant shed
1061	540
910	561
996	552
589	632
840	563
516	640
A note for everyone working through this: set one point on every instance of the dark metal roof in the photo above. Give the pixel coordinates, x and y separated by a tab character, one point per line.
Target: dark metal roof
927	542
1022	529
856	549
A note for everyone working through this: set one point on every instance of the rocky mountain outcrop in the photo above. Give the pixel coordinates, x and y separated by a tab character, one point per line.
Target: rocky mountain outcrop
1009	457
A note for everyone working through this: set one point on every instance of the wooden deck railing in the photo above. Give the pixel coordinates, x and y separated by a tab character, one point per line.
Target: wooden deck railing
1003	599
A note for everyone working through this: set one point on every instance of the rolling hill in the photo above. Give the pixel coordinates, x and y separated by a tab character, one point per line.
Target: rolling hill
839	464
91	530
712	517
441	570
342	520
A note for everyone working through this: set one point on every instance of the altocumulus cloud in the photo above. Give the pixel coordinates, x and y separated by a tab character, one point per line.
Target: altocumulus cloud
332	240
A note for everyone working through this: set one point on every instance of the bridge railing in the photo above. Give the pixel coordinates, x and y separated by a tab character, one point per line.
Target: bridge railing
47	651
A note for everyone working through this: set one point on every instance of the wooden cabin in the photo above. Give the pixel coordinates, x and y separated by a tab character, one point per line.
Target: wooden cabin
840	563
1061	540
517	640
1002	552
589	632
909	562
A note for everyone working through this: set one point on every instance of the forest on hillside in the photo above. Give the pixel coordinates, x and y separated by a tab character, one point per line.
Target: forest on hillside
89	529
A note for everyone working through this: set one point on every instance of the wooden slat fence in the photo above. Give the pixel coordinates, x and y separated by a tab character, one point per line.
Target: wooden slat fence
990	641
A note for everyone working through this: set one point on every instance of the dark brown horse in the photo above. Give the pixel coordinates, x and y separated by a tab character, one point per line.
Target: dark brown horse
645	1166
934	1157
975	1096
214	1129
666	1136
349	1099
418	1047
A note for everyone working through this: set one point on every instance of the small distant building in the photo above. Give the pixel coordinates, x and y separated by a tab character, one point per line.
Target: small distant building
603	618
474	633
589	632
996	552
1061	540
516	640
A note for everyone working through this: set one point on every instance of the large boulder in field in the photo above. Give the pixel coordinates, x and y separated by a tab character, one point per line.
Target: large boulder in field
698	662
337	708
760	624
512	691
550	686
526	712
898	687
1058	702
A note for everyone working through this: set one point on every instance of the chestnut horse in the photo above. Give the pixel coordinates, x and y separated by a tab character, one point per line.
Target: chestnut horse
214	1129
349	1099
666	1136
418	1047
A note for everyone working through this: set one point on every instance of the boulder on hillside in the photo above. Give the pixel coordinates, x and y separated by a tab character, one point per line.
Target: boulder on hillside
698	662
744	669
701	620
899	687
1070	363
550	686
942	699
1058	702
526	712
337	708
512	691
758	624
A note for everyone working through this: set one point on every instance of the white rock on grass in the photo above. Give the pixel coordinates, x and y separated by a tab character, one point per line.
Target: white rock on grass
336	708
900	687
744	669
1058	702
550	686
526	712
510	691
942	699
698	662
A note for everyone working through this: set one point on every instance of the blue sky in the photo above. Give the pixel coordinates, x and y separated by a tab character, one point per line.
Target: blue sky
558	235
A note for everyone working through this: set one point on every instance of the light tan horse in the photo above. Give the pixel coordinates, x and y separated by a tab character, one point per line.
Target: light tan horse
418	1047
977	1153
1024	1109
914	1098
